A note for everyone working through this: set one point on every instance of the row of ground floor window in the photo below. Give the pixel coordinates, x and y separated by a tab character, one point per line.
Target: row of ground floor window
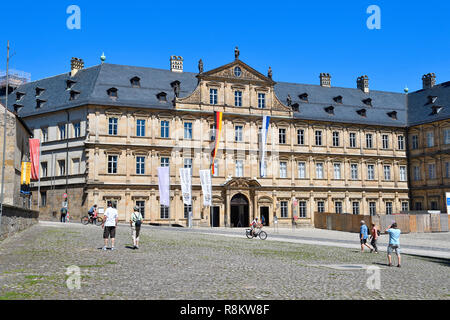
231	208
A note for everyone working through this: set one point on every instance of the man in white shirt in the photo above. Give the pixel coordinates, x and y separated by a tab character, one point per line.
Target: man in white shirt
109	225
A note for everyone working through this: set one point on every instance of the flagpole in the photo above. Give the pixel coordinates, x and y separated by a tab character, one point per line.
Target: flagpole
2	196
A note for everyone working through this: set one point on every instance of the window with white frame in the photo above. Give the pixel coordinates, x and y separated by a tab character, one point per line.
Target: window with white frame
300	136
301	170
112	163
283	169
62	167
76	130
320	206
187	209
352	140
387	172
401	142
414	142
403	173
140	127
430	139
238	98
187	163
213	96
238	133
239	170
141	207
164	212
369	141
354	171
261	100
405	206
338	206
388	207
62	131
372	208
302	209
370	172
284	209
319	170
188	130
112	126
140	165
385	141
335	139
355	207
282	135
318	136
44	169
164	162
337	171
432	171
164	129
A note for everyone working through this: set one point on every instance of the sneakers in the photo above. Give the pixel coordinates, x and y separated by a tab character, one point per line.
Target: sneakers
112	248
104	248
136	247
399	266
371	250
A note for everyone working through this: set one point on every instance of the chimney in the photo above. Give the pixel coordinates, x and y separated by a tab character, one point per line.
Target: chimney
176	63
325	80
75	65
362	83
428	80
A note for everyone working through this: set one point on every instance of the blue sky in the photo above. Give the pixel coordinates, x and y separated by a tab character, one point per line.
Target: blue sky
297	39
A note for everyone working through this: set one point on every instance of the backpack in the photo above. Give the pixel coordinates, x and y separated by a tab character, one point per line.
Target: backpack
378	232
138	222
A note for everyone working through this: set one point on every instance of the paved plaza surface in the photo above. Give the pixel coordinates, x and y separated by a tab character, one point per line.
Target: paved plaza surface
219	263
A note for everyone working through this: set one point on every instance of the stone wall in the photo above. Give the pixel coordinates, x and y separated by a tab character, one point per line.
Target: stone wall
16	219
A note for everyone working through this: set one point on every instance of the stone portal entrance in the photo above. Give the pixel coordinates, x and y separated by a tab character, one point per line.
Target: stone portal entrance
239	211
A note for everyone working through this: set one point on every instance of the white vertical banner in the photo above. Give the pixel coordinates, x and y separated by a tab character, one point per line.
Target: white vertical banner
262	144
185	180
164	186
205	179
447	201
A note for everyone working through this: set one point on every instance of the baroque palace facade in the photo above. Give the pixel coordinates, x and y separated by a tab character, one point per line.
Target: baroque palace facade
106	129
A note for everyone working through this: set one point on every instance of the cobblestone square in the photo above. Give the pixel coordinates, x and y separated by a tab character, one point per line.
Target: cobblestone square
172	264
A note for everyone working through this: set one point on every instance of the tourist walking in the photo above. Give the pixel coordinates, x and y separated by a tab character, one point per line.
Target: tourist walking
394	243
363	235
374	238
135	223
109	225
63	214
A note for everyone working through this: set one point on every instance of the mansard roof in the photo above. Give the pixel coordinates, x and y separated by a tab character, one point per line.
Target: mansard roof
92	84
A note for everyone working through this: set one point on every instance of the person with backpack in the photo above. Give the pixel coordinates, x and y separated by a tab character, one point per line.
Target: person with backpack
63	214
92	213
135	223
374	233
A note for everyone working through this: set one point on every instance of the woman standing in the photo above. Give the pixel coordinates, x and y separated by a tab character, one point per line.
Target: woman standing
135	223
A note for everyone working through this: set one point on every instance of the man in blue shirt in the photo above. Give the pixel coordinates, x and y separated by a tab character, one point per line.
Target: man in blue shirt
363	235
394	243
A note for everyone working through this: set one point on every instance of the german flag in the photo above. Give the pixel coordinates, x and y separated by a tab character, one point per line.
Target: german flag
218	129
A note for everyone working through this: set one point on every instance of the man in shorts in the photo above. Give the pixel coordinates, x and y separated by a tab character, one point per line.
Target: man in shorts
109	225
394	243
363	235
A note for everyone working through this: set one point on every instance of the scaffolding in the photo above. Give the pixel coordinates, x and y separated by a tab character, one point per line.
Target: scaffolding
16	78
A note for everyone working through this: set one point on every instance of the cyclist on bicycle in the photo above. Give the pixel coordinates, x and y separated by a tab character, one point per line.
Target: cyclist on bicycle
255	225
93	213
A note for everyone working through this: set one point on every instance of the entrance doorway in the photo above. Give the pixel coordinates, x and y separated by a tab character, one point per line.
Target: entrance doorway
264	213
239	211
214	216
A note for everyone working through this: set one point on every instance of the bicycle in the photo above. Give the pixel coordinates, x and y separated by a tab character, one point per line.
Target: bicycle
90	219
261	234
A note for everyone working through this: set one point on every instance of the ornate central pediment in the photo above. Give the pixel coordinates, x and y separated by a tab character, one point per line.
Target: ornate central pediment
236	71
242	183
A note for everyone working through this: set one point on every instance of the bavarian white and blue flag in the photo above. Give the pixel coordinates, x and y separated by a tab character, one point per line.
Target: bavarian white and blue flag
262	144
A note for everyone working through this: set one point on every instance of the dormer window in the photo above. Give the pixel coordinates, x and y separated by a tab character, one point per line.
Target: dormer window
40	103
74	94
303	97
162	97
19	95
329	110
338	99
392	114
432	99
295	107
112	93
69	84
39	91
436	109
17	107
135	82
367	102
361	112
